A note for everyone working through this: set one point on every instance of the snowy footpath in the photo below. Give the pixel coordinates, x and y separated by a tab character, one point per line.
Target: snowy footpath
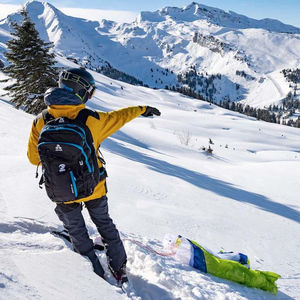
244	197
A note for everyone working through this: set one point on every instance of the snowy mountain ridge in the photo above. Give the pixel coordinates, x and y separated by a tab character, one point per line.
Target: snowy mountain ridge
218	55
216	16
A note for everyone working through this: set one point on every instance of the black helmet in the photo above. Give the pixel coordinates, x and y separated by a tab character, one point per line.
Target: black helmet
78	81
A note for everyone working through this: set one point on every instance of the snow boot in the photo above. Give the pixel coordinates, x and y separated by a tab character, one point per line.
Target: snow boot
120	275
95	263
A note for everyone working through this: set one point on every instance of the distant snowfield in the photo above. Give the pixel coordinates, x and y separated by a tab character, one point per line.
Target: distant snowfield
243	198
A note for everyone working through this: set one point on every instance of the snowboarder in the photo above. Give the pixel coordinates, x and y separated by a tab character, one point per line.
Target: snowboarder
66	104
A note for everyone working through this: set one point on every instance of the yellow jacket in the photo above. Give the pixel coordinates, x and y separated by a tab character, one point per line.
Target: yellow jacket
107	124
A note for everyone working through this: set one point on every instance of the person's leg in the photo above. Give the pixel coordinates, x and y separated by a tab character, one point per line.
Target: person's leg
71	216
98	210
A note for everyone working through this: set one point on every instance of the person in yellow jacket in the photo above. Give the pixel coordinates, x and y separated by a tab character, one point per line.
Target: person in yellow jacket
76	86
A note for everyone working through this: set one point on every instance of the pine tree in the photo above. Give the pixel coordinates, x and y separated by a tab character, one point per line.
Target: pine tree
30	66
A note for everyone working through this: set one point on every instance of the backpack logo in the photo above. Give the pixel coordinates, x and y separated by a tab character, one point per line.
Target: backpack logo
61	120
62	168
58	148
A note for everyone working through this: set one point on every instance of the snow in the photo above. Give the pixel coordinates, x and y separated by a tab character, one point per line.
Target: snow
241	198
164	39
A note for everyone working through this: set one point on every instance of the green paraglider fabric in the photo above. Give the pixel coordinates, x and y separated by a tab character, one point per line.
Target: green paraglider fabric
237	272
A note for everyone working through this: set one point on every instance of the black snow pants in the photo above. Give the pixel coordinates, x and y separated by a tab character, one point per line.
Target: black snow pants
71	216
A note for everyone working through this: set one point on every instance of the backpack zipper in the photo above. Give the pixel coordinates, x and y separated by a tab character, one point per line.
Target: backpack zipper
73	179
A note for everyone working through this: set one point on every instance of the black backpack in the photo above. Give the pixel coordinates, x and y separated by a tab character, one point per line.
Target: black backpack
68	157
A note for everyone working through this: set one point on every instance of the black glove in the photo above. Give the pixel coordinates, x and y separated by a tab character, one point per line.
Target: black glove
150	111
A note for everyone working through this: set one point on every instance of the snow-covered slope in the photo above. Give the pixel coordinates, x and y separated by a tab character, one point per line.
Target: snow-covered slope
243	198
247	54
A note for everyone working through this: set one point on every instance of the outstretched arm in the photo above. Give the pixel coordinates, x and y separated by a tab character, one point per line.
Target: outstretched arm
114	120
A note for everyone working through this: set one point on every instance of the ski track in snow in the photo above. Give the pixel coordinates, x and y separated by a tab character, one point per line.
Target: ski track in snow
148	192
280	92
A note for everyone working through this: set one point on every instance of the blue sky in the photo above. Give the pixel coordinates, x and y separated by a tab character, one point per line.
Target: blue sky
287	11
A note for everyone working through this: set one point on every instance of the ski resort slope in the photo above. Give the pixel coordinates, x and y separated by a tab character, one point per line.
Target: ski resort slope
243	197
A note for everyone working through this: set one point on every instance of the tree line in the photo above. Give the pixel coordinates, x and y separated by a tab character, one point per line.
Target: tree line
273	114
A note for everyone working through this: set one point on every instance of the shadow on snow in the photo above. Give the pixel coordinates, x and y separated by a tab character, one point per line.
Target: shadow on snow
219	187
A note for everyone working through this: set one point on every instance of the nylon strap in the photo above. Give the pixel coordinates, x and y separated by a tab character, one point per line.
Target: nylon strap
84	114
47	116
81	117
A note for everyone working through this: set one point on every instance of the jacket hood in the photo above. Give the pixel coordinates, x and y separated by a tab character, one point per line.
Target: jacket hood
59	96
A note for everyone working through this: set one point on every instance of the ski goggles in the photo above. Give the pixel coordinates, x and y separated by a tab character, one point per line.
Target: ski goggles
89	87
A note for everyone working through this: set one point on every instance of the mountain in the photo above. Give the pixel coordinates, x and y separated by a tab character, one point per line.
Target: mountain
219	55
243	197
219	17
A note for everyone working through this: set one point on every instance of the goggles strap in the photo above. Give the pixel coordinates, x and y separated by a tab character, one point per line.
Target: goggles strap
76	78
89	88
